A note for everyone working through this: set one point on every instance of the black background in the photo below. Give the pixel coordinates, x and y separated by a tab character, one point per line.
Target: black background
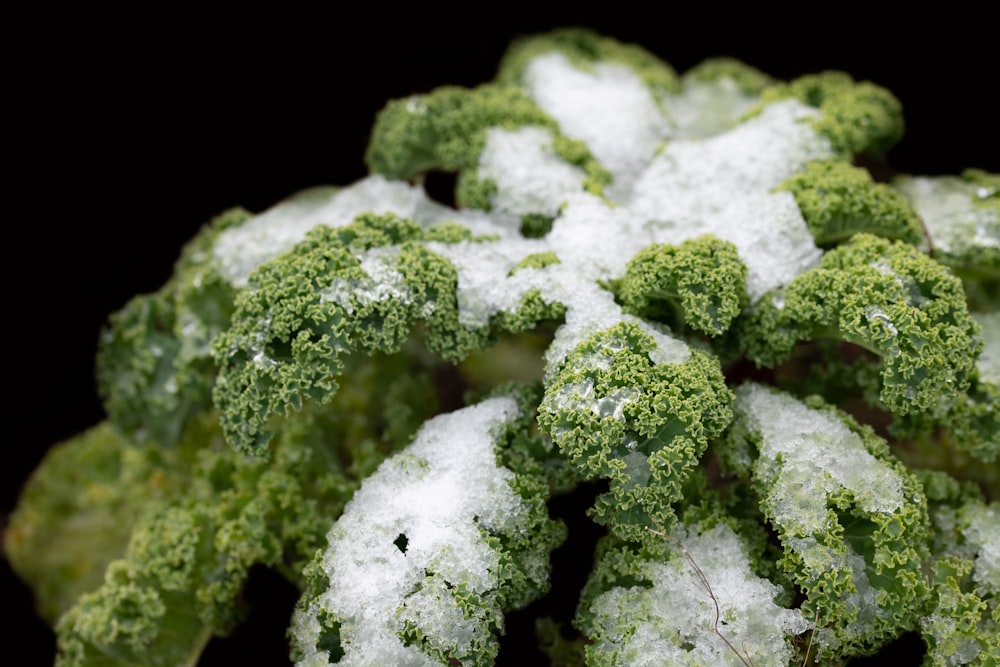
128	132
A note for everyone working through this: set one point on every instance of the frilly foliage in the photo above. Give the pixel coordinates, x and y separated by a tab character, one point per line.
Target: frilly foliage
650	255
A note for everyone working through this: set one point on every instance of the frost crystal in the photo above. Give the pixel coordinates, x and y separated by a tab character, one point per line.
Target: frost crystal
610	108
529	177
988	362
440	495
806	455
947	206
673	618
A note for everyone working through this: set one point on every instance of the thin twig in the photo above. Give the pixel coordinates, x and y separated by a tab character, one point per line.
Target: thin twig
927	237
812	635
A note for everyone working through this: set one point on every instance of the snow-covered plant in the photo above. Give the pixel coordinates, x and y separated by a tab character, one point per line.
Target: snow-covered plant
676	294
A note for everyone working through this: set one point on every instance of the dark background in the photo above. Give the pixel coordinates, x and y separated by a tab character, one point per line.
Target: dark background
124	141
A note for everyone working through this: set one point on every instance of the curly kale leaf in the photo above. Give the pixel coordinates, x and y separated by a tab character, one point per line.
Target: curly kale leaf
852	521
412	577
886	297
619	410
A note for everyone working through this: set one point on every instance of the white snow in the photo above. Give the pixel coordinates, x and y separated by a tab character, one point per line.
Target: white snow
440	493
